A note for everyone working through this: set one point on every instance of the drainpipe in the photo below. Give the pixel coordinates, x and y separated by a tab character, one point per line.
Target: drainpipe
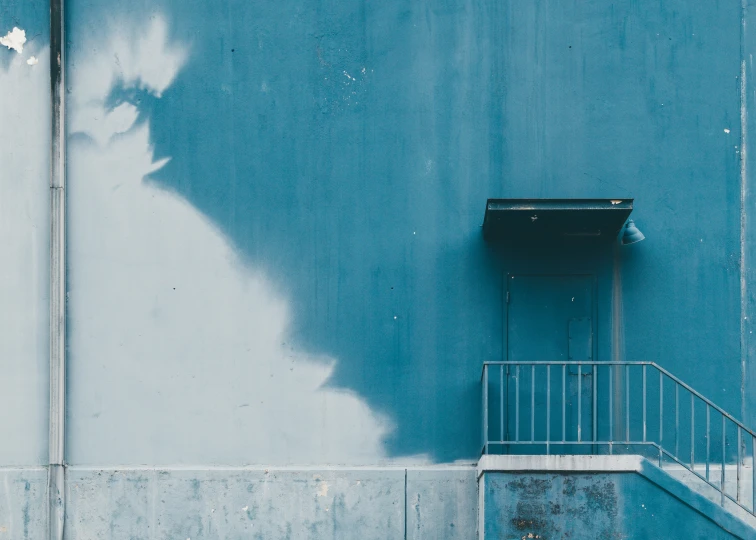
56	492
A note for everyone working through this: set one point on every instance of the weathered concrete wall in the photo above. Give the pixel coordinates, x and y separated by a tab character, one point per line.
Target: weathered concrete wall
23	503
275	250
275	213
608	505
272	504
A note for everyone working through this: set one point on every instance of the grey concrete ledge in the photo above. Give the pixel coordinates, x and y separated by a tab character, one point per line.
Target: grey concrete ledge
556	463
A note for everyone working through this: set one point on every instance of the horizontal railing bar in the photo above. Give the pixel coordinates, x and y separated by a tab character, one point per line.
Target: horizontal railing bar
605	363
704	399
568	363
568	443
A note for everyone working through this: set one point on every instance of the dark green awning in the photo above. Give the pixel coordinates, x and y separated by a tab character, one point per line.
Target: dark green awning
555	220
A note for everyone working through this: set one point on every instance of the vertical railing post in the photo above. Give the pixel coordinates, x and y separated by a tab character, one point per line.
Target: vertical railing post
548	407
692	432
594	413
627	403
724	456
661	417
611	410
564	403
708	439
740	451
501	402
753	474
580	402
532	403
517	403
485	409
677	420
644	402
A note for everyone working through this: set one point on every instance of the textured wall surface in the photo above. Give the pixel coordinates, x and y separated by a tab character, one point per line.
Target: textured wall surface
619	505
23	503
24	233
275	213
272	504
274	245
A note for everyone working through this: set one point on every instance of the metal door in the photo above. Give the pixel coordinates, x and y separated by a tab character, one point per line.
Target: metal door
549	318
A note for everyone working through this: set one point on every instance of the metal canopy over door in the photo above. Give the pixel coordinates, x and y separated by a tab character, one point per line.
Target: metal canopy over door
549	318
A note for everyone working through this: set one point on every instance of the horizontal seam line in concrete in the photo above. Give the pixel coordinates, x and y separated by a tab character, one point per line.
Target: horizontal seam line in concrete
271	468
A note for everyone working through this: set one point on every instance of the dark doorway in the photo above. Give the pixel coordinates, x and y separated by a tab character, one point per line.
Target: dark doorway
549	318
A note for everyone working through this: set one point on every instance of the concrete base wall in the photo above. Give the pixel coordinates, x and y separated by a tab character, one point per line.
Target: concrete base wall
523	497
23	503
588	505
170	504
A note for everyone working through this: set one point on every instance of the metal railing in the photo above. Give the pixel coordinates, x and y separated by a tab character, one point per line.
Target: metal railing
626	407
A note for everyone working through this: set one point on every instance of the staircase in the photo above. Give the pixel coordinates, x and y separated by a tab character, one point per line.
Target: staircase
552	422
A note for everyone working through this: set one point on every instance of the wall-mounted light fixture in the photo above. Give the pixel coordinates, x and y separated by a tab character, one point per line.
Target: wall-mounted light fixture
631	235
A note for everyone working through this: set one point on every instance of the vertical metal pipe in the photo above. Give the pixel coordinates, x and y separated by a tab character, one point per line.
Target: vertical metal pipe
485	409
611	409
661	417
548	407
532	403
517	403
708	439
564	403
644	403
692	432
580	402
724	457
594	413
501	402
56	471
627	403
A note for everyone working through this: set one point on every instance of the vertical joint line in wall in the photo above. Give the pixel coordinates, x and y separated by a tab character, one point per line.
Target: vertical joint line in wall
743	217
56	491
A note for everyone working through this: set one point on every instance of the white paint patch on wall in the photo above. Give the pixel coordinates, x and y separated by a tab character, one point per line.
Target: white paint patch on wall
178	349
24	252
14	39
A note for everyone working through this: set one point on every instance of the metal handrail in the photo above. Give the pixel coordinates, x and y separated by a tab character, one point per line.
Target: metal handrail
652	364
615	408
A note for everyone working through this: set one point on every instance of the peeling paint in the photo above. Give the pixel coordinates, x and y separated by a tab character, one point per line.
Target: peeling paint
32	61
14	39
323	489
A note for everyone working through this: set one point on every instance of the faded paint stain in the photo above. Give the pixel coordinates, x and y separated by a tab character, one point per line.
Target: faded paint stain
323	490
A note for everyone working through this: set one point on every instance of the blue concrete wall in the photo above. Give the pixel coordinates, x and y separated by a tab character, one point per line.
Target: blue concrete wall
612	505
337	156
275	254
